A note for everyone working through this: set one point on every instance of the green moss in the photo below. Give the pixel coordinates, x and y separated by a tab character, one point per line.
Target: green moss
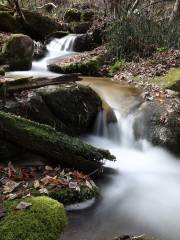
72	15
87	15
168	79
88	67
44	220
69	196
116	65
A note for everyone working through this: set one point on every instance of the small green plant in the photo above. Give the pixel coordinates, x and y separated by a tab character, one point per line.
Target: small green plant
116	65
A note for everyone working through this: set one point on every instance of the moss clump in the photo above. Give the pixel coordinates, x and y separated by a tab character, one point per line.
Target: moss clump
72	15
116	66
88	67
44	220
171	80
87	15
69	196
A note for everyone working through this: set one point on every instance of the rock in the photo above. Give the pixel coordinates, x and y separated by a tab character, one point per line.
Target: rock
40	26
84	42
87	65
45	216
18	52
79	27
75	105
8	22
58	34
153	123
40	50
69	108
9	150
72	15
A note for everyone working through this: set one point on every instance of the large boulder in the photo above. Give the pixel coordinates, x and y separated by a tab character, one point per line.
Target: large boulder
39	26
69	108
18	52
75	105
8	22
154	123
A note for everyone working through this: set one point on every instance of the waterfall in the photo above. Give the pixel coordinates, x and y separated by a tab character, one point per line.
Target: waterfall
56	48
142	195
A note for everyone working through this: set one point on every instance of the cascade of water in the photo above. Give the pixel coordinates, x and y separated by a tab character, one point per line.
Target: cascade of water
56	48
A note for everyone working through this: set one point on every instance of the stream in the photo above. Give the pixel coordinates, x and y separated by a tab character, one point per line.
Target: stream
140	192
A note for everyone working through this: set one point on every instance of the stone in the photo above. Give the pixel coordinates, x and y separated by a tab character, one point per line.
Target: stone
18	52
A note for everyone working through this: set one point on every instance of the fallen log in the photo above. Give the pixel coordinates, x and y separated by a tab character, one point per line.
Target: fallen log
29	83
45	140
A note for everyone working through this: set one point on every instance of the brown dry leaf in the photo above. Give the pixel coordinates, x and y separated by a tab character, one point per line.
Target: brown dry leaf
10	186
36	184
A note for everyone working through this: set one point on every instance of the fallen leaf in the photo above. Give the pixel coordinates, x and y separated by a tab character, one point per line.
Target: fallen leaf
10	186
36	184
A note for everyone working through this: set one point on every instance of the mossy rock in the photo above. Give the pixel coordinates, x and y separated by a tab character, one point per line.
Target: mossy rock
39	26
72	15
18	52
8	22
44	220
87	15
88	67
69	196
79	27
170	80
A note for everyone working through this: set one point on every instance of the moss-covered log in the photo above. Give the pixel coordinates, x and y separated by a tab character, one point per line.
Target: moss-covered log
68	151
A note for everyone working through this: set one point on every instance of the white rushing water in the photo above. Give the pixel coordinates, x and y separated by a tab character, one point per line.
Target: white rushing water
55	49
145	191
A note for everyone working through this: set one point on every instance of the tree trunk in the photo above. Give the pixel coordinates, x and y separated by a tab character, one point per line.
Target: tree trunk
45	140
176	12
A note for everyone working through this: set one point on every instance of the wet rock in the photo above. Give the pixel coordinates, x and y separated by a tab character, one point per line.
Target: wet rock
75	105
84	42
40	50
79	27
18	52
58	34
154	123
69	108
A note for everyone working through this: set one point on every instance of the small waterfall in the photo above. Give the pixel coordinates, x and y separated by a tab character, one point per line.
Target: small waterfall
56	48
120	132
65	44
